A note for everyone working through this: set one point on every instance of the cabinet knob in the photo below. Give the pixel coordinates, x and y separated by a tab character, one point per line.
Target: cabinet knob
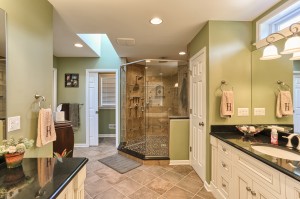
253	193
223	185
248	188
223	165
223	149
201	123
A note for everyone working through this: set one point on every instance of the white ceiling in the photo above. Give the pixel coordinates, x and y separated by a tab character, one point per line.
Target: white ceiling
182	20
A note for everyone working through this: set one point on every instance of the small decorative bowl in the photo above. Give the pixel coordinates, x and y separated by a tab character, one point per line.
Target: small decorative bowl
250	130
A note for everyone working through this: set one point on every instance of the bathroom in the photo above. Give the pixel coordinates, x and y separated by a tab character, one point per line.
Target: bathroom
236	64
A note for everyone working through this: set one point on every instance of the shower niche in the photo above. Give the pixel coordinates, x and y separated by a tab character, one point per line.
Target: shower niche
152	92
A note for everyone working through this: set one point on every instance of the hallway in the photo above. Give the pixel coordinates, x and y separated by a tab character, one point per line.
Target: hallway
147	182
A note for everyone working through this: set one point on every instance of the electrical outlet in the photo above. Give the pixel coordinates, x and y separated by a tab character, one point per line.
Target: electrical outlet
13	123
259	111
243	111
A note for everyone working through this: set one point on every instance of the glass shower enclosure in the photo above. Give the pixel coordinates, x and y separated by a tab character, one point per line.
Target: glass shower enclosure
152	92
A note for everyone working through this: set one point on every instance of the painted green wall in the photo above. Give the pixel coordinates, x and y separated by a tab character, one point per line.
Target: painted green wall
106	117
109	60
179	139
29	66
264	84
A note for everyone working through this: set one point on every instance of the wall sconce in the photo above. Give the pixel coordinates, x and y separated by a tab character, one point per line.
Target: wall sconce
270	52
292	45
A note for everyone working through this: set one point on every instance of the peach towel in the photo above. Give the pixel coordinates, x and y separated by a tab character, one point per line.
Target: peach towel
227	104
284	104
46	131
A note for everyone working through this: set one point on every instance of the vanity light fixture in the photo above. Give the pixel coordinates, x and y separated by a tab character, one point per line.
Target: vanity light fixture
296	56
270	52
78	45
292	44
156	21
182	53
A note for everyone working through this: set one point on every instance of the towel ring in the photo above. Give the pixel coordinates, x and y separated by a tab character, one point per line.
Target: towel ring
283	86
224	84
43	99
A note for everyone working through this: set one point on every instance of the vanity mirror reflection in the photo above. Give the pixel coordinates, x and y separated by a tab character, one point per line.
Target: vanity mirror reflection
265	74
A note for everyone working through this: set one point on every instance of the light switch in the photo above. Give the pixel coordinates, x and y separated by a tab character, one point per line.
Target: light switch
13	123
243	111
259	111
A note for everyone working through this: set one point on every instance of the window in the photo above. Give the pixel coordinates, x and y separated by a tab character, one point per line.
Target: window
279	19
107	90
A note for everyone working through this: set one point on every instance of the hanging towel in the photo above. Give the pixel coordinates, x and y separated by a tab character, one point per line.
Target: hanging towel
284	104
74	115
227	104
46	131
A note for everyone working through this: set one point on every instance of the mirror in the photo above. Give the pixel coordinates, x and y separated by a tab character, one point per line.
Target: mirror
265	75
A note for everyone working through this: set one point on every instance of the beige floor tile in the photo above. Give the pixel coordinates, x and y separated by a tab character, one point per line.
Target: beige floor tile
205	194
110	194
156	170
143	177
178	193
87	196
172	177
127	186
91	178
197	197
183	169
144	193
194	176
103	172
114	178
97	188
133	172
159	185
190	185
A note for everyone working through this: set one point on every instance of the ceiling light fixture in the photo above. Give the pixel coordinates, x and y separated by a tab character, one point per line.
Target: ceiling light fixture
156	21
292	44
182	53
78	45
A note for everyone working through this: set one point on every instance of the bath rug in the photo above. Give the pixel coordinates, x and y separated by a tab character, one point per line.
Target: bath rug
120	163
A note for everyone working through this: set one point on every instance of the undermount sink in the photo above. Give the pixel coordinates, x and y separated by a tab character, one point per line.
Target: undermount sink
275	151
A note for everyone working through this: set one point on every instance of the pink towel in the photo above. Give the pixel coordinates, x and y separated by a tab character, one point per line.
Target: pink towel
284	105
46	131
227	104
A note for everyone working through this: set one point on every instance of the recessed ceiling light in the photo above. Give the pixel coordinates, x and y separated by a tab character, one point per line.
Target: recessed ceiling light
78	45
156	21
182	53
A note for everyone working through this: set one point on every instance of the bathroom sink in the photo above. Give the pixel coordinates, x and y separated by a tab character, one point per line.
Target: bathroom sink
275	151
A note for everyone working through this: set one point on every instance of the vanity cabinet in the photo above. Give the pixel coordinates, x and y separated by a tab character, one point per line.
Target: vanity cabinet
237	175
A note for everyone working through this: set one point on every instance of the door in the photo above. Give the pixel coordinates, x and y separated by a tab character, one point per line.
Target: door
93	108
260	192
243	186
198	113
297	103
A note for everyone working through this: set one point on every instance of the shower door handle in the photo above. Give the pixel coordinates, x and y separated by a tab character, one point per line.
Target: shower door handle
201	123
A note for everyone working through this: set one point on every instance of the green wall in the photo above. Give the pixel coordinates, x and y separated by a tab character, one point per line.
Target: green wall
179	139
109	60
106	117
29	65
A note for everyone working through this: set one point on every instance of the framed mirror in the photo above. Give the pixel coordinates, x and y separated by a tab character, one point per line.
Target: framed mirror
2	77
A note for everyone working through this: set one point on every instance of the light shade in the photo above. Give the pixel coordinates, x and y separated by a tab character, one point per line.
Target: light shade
270	52
296	56
291	45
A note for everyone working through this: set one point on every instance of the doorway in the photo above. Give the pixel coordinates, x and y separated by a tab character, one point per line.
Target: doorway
296	102
100	102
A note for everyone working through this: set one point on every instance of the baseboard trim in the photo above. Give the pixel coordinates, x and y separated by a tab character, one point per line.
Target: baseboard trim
179	162
81	145
207	186
107	135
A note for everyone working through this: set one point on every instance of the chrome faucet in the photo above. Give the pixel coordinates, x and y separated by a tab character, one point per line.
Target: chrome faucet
289	144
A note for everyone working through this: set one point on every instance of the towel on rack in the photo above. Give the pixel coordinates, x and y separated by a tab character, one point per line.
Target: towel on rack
46	131
74	115
284	104
227	104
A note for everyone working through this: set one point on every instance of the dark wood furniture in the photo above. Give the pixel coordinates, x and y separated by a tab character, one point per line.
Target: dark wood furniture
64	138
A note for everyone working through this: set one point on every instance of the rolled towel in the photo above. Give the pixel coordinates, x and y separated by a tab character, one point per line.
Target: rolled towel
227	104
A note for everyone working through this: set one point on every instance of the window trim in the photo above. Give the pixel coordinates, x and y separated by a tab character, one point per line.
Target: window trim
106	106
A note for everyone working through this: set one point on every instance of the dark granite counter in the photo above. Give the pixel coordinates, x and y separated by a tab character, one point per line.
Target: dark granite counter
237	140
39	177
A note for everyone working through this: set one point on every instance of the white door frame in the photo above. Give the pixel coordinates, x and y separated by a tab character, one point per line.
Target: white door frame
88	71
54	89
203	145
295	74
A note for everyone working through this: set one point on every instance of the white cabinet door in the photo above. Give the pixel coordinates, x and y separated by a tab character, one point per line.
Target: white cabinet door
243	186
260	192
292	189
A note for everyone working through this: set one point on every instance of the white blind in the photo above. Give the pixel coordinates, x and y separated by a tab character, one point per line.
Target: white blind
108	91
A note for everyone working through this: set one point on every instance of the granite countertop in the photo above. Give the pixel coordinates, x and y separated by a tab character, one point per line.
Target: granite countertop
237	140
39	177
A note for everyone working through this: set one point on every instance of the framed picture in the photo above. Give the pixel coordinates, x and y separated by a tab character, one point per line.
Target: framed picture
71	80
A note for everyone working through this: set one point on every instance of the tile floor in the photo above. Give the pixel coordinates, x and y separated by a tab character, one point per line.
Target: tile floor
146	182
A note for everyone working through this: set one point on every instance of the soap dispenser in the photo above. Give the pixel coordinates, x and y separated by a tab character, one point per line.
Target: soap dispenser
274	136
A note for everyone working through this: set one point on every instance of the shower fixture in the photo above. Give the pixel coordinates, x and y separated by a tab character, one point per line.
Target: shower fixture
136	85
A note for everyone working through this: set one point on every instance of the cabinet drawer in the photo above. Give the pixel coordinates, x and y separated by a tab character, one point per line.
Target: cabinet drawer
260	171
224	149
224	186
224	165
